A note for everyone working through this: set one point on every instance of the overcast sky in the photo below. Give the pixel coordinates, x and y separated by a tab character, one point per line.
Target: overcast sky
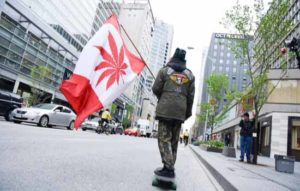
194	21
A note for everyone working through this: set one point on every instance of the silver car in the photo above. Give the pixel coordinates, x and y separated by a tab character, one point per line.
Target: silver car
45	115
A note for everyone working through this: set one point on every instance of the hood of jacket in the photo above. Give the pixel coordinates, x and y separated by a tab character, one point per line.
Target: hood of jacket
177	64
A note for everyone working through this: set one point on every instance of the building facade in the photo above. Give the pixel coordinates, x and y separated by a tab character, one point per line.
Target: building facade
279	120
162	38
221	60
42	33
137	23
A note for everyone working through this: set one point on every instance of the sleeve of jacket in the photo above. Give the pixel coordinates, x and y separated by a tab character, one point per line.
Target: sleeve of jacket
158	84
190	98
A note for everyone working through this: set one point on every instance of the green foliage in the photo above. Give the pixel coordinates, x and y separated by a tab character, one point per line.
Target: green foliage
211	143
113	107
217	85
38	74
269	30
217	88
127	118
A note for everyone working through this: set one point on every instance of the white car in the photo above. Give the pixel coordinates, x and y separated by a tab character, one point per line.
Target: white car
90	124
45	115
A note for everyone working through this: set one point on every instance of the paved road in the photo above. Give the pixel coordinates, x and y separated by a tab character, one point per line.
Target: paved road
35	158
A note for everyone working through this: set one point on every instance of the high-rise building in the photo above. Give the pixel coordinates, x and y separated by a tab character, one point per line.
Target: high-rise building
45	33
220	59
279	118
137	22
162	38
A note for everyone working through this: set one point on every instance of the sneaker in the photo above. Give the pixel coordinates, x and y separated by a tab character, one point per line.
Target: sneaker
249	161
165	172
241	160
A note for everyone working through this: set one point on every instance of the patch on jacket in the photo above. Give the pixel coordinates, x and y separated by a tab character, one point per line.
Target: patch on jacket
179	78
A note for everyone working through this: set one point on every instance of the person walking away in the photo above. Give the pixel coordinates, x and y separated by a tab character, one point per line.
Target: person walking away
181	137
247	127
174	88
186	137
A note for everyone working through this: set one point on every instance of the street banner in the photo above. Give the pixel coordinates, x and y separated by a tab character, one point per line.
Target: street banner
105	68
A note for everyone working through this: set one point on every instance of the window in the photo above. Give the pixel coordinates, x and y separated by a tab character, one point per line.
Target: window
296	135
4	32
216	47
234	70
65	110
233	77
3	51
213	68
227	69
235	62
221	61
222	54
220	68
14	57
286	91
266	138
227	61
16	49
228	55
215	53
31	50
4	42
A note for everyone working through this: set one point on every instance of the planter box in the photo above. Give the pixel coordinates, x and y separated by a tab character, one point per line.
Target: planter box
210	149
229	152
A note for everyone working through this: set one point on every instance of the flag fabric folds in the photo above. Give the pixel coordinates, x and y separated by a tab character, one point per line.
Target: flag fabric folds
103	71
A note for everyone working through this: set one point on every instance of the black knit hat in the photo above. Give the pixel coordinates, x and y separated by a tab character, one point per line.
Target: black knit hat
246	114
179	54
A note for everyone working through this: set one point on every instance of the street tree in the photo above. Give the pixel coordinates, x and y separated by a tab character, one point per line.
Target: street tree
38	74
218	89
258	52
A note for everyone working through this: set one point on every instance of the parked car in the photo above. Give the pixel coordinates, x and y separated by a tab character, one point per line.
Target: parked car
132	131
45	115
90	124
9	102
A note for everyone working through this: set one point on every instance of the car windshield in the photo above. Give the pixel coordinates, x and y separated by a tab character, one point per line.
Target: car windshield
44	106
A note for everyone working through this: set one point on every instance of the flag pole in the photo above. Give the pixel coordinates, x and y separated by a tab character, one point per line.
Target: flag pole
137	51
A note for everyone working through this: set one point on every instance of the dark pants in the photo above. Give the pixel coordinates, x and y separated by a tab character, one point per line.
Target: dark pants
245	142
186	140
168	137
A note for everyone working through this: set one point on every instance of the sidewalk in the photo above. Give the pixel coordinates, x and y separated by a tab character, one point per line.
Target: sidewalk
234	175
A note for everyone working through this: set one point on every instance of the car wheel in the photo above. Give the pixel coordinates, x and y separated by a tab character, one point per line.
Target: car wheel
71	126
18	122
83	129
44	121
8	115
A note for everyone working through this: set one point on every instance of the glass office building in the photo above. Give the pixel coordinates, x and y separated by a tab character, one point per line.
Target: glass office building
46	33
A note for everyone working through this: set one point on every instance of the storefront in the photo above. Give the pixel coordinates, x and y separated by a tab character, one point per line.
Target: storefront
294	137
264	136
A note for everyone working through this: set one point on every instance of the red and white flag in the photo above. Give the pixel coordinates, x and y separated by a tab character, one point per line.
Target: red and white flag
103	71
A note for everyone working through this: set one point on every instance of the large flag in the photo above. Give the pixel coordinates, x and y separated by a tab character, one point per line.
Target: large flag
103	71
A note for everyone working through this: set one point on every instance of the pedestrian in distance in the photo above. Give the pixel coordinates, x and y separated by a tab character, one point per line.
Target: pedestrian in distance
181	137
247	127
186	137
174	88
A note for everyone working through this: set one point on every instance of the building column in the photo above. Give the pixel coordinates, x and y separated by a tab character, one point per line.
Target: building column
16	86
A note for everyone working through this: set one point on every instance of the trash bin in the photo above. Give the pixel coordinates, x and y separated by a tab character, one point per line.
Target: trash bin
284	163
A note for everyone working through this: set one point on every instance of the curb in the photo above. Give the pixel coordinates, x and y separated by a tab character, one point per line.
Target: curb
225	184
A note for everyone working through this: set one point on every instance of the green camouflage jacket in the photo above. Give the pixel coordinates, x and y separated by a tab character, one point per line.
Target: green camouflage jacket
174	88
